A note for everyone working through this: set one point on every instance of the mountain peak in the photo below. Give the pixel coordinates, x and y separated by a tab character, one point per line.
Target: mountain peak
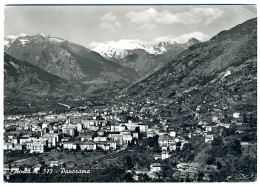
193	40
205	69
16	36
245	28
23	39
119	49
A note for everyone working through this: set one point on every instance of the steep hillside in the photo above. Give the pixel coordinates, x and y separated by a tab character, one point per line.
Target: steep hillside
28	88
220	71
142	62
67	60
141	57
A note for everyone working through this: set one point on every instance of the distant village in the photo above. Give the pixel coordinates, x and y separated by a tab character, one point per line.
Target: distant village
108	129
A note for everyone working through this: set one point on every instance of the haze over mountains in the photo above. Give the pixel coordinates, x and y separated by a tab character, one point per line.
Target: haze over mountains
173	70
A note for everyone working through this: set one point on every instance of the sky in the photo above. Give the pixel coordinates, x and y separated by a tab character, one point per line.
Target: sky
89	25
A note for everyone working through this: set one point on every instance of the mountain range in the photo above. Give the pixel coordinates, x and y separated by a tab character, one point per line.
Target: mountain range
221	71
67	60
28	87
141	57
121	49
126	60
46	67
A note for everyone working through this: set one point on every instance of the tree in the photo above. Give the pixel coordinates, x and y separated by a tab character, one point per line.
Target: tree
187	179
235	148
128	162
128	177
94	135
42	163
224	132
200	176
217	141
245	120
137	129
9	166
225	115
21	168
210	160
252	121
178	144
153	141
144	177
219	165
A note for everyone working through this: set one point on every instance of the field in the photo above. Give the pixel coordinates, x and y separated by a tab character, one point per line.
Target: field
71	159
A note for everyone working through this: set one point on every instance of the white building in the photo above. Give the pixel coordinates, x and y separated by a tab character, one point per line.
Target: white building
100	138
69	145
79	127
165	155
208	138
208	128
236	115
155	167
8	146
172	133
150	134
52	139
88	146
44	125
37	145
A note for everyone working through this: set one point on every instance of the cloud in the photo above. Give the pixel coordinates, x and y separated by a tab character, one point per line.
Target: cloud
137	43
142	19
94	44
184	38
128	44
148	18
144	26
110	22
208	15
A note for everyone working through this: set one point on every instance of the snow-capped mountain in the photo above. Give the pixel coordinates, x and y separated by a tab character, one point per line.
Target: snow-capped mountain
173	46
67	60
142	57
8	40
121	49
23	39
210	71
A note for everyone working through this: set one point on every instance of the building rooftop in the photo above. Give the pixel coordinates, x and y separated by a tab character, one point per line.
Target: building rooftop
155	165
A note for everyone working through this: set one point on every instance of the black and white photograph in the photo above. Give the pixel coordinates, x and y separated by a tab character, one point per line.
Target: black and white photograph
113	93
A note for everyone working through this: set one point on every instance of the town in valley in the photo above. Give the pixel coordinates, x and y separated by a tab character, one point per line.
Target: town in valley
130	93
131	135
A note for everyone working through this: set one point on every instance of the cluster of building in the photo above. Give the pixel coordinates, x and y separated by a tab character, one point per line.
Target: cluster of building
114	128
105	129
74	133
